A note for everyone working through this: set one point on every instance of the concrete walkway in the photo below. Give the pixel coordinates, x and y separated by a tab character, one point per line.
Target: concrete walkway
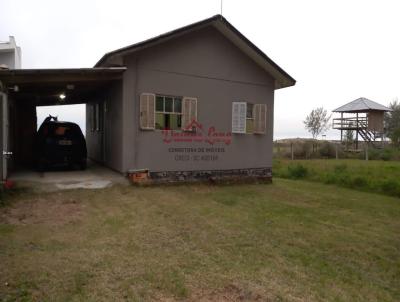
94	177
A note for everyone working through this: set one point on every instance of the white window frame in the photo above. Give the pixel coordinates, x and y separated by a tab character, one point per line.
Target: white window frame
250	118
174	97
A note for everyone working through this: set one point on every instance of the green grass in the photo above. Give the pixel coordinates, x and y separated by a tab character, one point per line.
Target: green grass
287	241
372	176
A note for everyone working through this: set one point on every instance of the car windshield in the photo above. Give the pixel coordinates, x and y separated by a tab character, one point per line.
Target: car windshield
64	131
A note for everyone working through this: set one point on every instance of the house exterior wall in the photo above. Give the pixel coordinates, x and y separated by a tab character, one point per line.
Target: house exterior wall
105	144
207	66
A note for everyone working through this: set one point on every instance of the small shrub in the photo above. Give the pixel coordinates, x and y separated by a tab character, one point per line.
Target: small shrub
386	155
390	187
330	178
340	168
359	182
374	154
327	150
297	171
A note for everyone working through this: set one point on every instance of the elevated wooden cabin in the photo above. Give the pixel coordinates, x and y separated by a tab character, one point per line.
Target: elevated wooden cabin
364	117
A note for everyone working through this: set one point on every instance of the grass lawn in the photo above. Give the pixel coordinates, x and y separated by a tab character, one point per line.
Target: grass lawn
373	176
289	241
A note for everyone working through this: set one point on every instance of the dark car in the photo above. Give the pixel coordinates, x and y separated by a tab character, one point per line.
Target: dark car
59	144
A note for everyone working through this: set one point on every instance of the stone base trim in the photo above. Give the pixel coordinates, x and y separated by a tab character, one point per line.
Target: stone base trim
232	175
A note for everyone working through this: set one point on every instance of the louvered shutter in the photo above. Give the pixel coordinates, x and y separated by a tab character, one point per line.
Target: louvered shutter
147	111
260	118
239	117
189	112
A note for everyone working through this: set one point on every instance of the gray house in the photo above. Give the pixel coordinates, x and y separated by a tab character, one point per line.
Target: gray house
193	103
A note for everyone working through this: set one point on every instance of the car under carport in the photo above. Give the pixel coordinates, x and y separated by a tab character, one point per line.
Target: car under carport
21	91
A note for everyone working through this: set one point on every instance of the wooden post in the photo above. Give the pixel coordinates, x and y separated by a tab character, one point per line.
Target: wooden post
357	131
291	150
337	152
341	127
366	151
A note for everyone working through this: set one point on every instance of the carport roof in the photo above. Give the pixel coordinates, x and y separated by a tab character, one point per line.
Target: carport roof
44	86
18	76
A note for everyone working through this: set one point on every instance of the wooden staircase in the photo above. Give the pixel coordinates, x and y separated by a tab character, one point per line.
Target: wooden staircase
369	137
360	126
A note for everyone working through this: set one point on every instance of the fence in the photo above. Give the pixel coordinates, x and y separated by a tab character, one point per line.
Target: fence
314	149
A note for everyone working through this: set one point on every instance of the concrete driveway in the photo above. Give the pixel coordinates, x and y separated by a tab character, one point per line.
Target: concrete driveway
94	177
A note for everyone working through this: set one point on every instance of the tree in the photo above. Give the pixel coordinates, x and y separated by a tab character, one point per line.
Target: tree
317	122
392	122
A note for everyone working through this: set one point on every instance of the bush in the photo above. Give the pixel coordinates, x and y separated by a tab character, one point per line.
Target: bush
373	154
390	187
386	154
297	171
358	182
340	168
327	150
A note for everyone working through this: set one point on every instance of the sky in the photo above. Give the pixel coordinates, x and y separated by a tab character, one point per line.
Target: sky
337	50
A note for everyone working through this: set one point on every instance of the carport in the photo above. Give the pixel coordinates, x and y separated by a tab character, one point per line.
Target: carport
21	91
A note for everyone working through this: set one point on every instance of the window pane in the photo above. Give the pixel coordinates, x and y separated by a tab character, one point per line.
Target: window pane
175	121
249	110
249	126
159	103
178	105
168	104
160	121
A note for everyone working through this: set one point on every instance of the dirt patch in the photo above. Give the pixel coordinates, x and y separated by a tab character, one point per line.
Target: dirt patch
51	211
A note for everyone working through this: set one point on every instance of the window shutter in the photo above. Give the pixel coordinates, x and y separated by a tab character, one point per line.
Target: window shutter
260	118
239	110
147	111
189	112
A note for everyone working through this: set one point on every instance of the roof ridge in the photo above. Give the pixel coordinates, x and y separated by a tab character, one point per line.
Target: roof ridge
282	78
365	104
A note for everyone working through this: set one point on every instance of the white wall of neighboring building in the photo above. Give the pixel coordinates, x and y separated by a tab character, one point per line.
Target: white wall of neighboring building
10	54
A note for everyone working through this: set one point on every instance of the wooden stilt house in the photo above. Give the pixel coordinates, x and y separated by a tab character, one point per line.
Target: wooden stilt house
365	118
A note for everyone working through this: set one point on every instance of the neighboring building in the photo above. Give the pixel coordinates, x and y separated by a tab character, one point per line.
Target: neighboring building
10	54
365	117
197	102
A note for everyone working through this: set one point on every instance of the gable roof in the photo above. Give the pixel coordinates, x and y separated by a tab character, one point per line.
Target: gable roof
361	105
282	79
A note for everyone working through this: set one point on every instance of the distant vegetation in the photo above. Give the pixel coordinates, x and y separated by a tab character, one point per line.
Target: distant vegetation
392	122
372	176
316	149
